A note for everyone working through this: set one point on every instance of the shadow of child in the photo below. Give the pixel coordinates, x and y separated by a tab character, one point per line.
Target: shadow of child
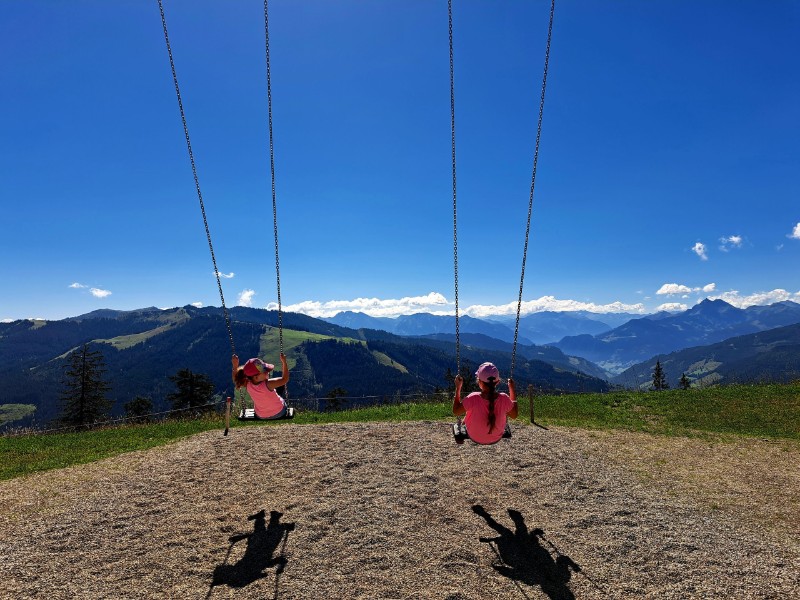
524	559
262	543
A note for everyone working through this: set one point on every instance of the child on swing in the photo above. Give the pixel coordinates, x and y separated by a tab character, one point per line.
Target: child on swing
260	387
486	411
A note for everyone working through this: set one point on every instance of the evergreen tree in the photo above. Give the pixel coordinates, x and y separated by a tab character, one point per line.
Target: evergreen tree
83	397
333	399
470	381
194	390
685	384
138	408
659	378
451	385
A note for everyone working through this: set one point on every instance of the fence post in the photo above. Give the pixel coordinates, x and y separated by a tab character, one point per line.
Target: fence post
530	399
227	415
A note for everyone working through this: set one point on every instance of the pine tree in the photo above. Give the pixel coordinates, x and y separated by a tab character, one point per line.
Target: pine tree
659	378
334	398
194	390
138	408
685	384
83	397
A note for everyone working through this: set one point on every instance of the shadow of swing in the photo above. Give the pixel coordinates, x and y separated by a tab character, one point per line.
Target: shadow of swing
524	559
262	543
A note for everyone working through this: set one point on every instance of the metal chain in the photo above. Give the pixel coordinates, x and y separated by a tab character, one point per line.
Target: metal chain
533	183
194	173
274	196
272	173
455	205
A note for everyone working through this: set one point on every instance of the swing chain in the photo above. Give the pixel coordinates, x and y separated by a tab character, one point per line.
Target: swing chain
455	205
533	183
272	173
194	174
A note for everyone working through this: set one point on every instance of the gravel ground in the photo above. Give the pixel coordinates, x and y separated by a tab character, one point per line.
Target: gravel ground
400	511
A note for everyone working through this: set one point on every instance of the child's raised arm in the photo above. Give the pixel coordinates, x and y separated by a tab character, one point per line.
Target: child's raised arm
512	393
458	408
235	365
276	382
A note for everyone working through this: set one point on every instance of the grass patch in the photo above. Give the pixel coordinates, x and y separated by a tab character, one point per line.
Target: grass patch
15	412
386	360
128	341
766	411
270	342
22	455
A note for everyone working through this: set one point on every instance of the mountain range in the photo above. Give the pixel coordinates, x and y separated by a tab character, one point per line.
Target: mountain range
708	322
538	328
772	355
605	351
711	342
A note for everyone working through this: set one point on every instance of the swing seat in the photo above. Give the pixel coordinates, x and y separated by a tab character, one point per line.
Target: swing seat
249	414
460	432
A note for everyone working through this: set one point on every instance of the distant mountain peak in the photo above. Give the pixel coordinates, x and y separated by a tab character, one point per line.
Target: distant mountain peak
711	305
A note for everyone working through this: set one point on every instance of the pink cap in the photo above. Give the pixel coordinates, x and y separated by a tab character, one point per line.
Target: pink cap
488	371
254	366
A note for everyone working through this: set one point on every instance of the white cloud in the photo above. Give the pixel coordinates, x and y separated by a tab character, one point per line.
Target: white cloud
375	307
700	249
757	299
228	276
795	235
6	320
96	292
673	307
730	242
197	304
550	303
435	303
671	289
246	298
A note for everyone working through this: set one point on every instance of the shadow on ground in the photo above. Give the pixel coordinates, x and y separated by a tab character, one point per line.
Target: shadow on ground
262	544
523	557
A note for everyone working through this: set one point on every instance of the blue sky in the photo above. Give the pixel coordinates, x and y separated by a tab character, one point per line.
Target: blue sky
668	169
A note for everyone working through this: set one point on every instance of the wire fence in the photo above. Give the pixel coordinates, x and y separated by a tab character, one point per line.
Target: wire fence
191	411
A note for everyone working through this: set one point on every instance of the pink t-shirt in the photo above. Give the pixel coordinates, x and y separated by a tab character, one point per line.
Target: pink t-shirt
267	402
477	418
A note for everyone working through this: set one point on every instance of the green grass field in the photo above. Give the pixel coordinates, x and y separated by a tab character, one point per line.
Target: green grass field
765	411
15	412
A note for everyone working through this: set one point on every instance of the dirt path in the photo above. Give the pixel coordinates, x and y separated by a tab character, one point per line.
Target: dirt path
400	511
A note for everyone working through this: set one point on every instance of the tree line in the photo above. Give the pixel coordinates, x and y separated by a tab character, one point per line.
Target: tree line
84	392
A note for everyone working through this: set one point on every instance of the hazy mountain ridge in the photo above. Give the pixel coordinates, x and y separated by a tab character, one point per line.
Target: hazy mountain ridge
771	355
538	328
708	322
424	324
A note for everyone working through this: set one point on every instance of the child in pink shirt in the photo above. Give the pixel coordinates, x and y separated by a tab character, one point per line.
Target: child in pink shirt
254	376
486	411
